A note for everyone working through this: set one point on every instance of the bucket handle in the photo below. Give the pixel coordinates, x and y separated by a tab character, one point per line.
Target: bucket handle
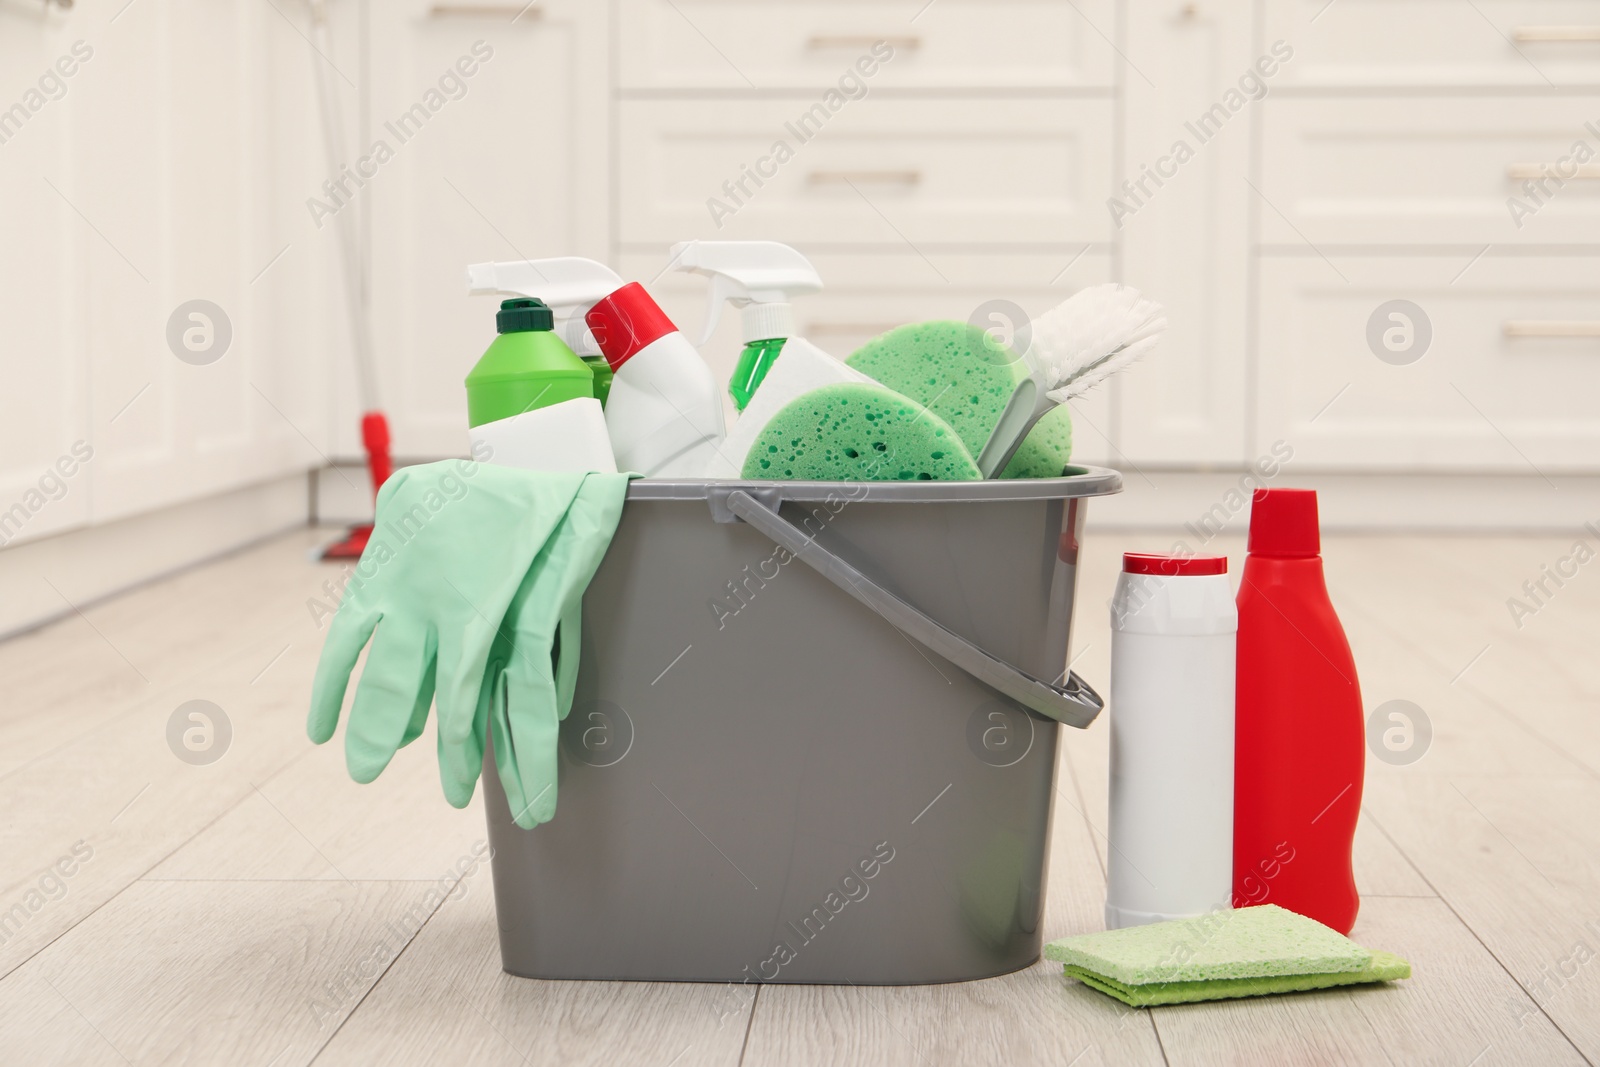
1074	703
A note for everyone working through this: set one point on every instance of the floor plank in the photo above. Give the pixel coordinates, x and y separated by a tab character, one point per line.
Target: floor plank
210	972
312	821
1518	859
1459	1007
122	792
447	1001
103	777
73	676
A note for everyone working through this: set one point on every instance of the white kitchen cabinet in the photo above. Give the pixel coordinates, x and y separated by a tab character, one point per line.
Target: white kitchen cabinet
44	407
1429	170
1185	238
879	171
149	183
1437	44
1505	381
510	166
185	204
810	44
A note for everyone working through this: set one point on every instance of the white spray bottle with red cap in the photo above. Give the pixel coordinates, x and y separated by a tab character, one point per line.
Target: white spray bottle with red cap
776	367
664	413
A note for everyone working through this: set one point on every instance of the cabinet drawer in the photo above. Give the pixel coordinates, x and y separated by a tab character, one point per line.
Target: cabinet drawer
876	172
789	44
1404	43
1506	382
1429	171
867	294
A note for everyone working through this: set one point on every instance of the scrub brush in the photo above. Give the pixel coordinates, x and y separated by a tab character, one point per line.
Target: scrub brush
1076	345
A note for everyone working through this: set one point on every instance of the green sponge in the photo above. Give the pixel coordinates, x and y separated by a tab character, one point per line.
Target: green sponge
1385	967
965	376
1047	449
858	432
1247	952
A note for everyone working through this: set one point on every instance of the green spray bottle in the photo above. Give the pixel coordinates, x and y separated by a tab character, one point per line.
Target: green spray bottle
569	286
527	366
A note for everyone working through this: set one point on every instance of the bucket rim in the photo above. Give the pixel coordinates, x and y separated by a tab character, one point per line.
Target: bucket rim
1081	481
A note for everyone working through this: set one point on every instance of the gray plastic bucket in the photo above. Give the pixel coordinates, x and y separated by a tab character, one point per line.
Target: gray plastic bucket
814	737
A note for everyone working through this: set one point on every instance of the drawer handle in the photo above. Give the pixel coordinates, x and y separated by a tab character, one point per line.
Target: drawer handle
1539	170
489	11
1556	33
832	43
1552	328
875	177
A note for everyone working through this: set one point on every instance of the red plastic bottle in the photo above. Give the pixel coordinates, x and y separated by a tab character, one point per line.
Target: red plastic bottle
1300	744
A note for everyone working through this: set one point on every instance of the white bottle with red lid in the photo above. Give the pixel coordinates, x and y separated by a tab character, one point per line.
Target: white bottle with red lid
1173	633
664	414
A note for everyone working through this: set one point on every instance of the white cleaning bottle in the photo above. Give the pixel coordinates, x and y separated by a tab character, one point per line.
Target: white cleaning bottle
664	415
1173	632
569	287
760	277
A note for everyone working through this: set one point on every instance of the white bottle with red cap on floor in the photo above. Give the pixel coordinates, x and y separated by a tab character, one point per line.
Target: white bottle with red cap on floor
664	414
1173	632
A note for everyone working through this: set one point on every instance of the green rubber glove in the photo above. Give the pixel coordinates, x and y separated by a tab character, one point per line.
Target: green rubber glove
451	542
533	666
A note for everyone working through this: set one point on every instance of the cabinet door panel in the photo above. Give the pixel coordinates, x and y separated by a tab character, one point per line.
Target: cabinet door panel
955	44
1506	380
171	173
1409	44
1439	171
879	172
1186	240
508	166
44	404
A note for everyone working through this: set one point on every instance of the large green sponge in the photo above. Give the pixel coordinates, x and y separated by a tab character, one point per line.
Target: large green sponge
1047	449
965	376
858	432
1242	953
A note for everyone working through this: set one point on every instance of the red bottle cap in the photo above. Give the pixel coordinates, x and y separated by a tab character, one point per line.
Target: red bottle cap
625	322
1283	523
1172	566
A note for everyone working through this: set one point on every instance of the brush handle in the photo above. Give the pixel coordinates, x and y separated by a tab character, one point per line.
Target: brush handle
1027	405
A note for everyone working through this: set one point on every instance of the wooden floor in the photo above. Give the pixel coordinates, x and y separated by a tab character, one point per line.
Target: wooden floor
248	911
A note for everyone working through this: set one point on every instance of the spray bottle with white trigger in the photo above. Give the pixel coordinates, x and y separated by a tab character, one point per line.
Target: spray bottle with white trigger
569	286
760	277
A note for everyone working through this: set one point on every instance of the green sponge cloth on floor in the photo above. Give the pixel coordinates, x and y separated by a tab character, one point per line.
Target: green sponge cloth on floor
966	377
1385	967
1247	952
858	432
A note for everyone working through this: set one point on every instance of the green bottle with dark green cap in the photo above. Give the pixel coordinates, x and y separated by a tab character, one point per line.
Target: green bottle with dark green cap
526	367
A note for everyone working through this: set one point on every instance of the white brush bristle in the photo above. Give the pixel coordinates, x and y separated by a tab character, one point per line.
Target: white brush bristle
1091	335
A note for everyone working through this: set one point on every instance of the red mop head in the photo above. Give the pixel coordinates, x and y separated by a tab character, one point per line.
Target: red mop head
375	438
